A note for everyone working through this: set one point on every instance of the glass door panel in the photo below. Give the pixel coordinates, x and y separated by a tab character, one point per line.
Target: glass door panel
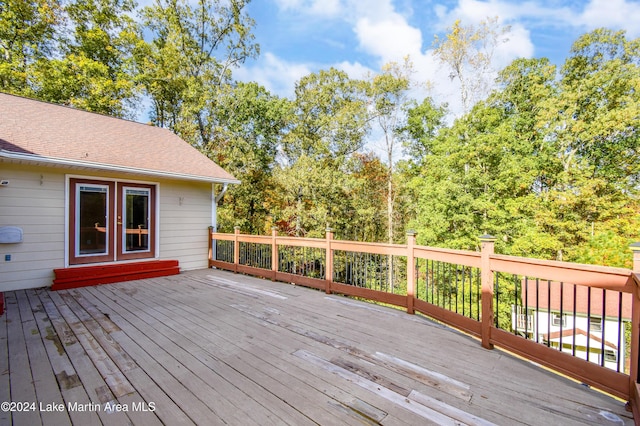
91	207
136	219
93	220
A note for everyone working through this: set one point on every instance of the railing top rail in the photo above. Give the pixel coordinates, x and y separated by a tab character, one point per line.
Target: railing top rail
458	257
375	248
301	242
261	239
618	279
222	236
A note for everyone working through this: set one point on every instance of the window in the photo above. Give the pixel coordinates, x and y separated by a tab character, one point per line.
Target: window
110	221
559	321
595	324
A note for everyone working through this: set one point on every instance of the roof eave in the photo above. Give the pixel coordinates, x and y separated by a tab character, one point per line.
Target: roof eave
111	167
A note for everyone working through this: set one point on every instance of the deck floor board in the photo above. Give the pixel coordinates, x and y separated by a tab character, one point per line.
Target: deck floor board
5	386
211	347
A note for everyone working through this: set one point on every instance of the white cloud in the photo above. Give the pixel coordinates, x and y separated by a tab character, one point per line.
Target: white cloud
275	74
474	11
389	39
518	45
615	14
354	69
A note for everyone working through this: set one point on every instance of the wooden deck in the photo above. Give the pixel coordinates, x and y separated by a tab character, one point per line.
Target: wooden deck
210	347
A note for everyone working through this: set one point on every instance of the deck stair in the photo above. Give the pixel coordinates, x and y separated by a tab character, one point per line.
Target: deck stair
66	278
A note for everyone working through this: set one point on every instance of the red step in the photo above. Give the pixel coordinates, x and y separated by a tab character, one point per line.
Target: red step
83	276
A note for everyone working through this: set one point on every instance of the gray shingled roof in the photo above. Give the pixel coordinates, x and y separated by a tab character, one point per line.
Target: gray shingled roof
38	131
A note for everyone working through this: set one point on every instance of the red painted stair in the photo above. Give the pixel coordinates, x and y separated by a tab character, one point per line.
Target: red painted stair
83	276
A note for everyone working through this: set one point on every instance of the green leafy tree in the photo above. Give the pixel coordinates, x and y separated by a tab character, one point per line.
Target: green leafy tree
312	196
96	71
250	123
27	36
595	118
483	174
329	117
328	124
366	195
593	122
423	124
193	49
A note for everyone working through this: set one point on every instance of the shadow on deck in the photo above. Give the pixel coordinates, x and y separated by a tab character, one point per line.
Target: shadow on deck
211	347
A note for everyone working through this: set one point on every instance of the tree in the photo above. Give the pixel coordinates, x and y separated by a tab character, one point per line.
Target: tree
192	52
468	51
312	196
366	195
592	122
96	71
329	116
389	98
27	35
424	122
595	118
328	124
250	123
485	172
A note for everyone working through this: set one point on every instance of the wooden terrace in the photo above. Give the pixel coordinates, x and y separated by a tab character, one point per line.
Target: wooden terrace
213	347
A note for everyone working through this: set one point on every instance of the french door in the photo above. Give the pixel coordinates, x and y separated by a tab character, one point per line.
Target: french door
110	221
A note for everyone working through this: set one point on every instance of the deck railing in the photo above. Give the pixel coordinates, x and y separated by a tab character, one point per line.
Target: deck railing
579	320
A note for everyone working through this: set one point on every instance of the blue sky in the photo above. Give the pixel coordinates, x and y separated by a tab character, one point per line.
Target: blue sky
298	37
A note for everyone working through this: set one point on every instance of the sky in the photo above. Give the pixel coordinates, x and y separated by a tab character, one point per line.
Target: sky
298	37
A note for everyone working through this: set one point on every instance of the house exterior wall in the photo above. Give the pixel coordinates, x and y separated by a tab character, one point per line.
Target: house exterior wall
541	323
185	215
36	199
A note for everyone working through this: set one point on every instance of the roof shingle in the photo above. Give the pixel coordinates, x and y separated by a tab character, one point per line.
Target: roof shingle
31	128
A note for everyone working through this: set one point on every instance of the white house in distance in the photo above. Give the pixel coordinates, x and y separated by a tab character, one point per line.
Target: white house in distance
575	320
98	199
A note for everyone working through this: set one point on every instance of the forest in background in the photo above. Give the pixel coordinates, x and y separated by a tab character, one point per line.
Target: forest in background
545	158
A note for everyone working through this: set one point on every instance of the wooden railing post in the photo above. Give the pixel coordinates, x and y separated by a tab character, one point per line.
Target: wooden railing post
411	272
236	248
487	243
274	252
328	270
211	254
635	334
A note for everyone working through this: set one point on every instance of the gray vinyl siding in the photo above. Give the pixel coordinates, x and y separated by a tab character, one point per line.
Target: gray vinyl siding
33	201
185	215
